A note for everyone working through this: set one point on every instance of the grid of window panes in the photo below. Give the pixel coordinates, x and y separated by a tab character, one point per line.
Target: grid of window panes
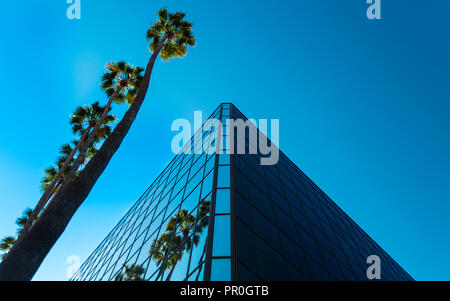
164	235
288	229
221	238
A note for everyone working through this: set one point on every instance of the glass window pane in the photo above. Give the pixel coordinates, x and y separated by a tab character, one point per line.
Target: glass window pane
243	209
224	176
285	223
240	183
294	254
223	201
261	201
245	275
246	246
207	184
266	229
224	159
270	265
221	240
221	270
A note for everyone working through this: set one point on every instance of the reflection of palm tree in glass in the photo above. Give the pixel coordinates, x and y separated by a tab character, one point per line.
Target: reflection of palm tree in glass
183	232
133	272
159	251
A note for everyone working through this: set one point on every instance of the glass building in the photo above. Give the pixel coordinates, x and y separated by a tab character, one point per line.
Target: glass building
216	213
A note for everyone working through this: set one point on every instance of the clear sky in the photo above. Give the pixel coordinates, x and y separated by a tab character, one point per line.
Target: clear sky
363	107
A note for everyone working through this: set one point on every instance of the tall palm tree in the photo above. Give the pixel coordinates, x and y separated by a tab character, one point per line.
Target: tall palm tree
168	33
120	82
82	120
134	272
93	124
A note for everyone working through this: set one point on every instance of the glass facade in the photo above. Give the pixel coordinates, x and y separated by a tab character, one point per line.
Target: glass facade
220	215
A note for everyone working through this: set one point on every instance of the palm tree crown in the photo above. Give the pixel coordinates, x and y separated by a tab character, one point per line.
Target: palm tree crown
51	172
22	220
176	31
86	116
6	244
123	79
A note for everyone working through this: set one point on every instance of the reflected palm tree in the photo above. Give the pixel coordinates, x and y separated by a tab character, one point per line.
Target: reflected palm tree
183	232
134	272
160	250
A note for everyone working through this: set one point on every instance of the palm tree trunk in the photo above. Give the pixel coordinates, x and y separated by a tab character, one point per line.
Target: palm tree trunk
82	154
26	256
52	188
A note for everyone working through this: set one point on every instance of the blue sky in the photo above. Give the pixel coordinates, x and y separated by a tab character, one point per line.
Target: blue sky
363	107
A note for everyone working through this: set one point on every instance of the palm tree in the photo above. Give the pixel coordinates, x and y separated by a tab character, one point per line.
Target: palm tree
182	233
120	83
51	172
84	123
170	36
160	250
22	220
82	120
6	244
187	229
85	118
133	272
49	175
